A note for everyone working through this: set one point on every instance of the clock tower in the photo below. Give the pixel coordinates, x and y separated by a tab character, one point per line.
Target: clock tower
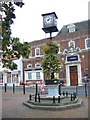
50	22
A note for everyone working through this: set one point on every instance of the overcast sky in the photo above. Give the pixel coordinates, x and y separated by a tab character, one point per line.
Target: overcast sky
28	23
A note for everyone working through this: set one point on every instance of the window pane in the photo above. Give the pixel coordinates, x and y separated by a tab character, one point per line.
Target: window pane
29	65
29	76
37	65
1	78
37	51
72	44
9	77
88	43
37	75
15	78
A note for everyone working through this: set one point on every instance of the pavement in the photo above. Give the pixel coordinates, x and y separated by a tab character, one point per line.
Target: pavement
12	107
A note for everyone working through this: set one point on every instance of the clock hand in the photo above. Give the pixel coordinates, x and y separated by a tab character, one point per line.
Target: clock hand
48	19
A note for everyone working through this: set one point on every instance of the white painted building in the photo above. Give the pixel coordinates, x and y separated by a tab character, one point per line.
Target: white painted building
11	77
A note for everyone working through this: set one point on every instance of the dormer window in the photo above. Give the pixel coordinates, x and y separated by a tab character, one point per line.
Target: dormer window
87	43
29	65
37	51
71	28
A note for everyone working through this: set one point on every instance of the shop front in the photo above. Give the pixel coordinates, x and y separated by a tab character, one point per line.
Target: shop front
10	78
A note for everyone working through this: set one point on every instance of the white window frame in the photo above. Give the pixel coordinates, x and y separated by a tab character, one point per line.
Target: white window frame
36	52
70	42
29	76
29	65
71	28
38	65
38	76
86	43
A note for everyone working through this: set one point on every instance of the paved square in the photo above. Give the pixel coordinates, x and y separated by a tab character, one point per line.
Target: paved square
12	107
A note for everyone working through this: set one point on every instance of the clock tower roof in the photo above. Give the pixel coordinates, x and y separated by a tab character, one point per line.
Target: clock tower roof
50	14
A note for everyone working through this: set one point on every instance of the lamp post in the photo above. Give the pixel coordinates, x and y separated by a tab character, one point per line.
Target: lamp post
23	77
86	81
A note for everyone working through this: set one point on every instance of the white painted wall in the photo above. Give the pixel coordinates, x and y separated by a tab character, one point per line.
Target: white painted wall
19	68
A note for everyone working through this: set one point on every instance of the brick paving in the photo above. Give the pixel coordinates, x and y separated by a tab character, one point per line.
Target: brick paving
12	107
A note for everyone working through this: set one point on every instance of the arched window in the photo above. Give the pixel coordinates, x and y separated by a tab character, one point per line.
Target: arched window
38	65
72	44
29	65
87	43
37	51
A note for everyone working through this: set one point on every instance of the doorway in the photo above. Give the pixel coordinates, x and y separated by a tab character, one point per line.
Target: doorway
73	75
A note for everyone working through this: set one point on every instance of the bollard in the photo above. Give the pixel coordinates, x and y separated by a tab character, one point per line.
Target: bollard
63	93
58	99
71	97
39	98
53	99
85	89
30	97
5	87
66	94
23	88
59	89
74	95
13	88
35	98
36	89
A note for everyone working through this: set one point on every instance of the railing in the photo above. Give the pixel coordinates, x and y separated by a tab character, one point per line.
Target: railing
37	97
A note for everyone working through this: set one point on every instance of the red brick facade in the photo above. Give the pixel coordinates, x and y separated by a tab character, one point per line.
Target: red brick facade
79	38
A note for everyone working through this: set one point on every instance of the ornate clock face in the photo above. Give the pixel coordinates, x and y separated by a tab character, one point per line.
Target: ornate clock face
48	20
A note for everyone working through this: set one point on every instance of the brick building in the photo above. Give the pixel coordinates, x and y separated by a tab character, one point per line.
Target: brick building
74	50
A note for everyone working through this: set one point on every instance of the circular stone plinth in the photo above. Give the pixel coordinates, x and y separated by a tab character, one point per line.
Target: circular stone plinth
49	105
